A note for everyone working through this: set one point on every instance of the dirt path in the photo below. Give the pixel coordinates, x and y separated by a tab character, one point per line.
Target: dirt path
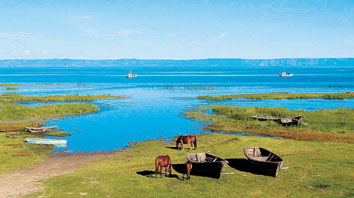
27	180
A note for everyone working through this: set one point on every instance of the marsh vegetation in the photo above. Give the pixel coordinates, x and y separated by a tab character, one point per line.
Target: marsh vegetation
278	96
333	124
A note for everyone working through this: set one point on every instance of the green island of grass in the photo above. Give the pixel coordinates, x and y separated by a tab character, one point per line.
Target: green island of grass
11	88
8	84
15	117
333	124
14	97
278	96
316	169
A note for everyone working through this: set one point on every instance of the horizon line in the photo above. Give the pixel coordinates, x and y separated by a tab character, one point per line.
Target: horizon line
171	58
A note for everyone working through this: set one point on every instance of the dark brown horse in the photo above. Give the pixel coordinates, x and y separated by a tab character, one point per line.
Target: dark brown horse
186	139
163	161
188	169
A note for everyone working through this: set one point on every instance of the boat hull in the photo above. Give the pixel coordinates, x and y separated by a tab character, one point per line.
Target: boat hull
264	161
55	142
206	164
213	170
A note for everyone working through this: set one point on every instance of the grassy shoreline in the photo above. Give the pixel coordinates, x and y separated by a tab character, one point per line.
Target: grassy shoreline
15	117
278	96
8	84
336	124
14	97
316	169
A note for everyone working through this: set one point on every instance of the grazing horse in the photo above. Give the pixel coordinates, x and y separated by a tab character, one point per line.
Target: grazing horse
186	139
163	161
188	168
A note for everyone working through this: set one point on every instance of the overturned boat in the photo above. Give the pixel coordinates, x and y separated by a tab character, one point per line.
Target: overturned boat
286	121
40	129
267	162
206	164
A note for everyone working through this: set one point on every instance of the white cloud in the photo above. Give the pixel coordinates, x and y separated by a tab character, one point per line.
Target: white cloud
171	35
131	32
44	51
27	51
221	36
23	36
83	17
113	34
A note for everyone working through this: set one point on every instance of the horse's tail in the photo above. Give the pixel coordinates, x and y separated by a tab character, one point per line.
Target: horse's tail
195	142
177	141
169	165
156	166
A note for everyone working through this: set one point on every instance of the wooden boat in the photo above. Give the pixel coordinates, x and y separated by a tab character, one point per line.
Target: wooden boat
264	160
206	164
40	129
55	142
284	74
295	120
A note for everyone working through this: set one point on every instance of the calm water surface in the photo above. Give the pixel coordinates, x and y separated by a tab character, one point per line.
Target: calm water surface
159	96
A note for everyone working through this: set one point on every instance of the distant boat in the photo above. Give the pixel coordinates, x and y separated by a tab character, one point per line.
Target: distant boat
284	74
264	160
130	75
206	164
55	142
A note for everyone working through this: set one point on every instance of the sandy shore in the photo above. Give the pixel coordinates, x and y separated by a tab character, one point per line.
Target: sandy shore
26	181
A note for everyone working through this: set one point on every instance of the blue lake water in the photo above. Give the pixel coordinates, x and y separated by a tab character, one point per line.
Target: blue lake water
154	109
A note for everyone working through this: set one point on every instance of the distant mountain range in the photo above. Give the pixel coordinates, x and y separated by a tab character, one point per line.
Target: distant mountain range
136	63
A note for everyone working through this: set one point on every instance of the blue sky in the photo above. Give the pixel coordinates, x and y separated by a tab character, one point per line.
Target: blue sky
188	29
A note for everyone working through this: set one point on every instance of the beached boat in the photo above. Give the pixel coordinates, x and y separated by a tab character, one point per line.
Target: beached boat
130	75
55	142
206	164
284	74
286	121
40	129
264	160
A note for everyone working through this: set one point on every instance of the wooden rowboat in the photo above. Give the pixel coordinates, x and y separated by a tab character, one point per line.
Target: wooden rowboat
206	164
55	142
264	160
40	129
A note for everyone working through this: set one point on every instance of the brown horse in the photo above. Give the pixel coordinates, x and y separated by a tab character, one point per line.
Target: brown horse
188	168
163	161
186	139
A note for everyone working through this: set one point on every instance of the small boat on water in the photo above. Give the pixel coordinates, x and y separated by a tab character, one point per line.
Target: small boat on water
264	160
284	74
130	75
55	142
206	164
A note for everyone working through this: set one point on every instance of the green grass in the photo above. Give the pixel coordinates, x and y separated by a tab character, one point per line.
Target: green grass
16	154
312	165
323	124
8	84
14	117
278	96
11	88
13	97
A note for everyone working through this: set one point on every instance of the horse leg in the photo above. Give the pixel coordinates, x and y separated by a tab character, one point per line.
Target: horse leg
161	171
191	146
156	169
